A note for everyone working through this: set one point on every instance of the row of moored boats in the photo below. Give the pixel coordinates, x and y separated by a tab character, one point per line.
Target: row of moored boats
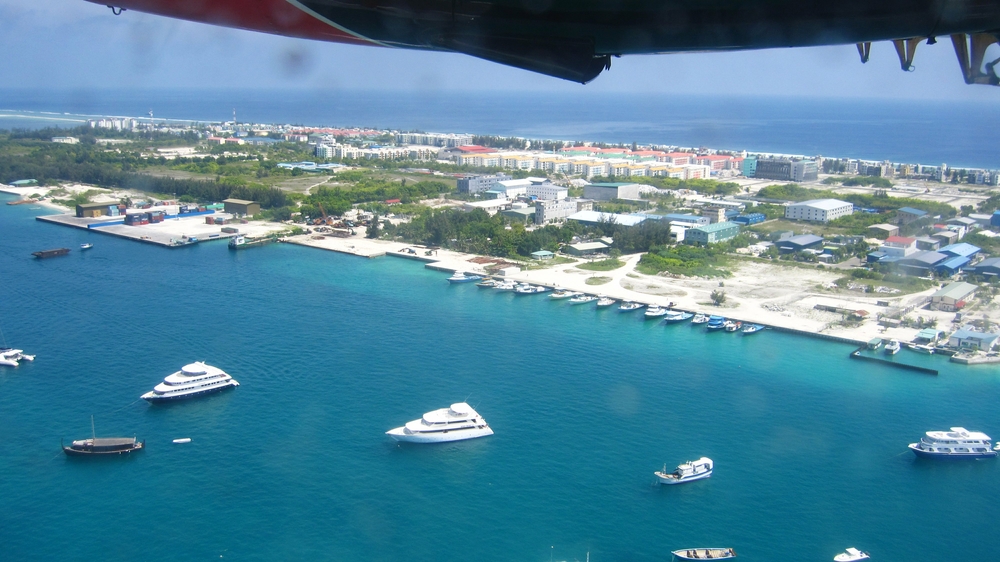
667	313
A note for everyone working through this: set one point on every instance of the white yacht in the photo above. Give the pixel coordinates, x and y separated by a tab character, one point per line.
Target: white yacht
892	347
699	319
562	294
629	306
687	472
851	555
192	380
582	299
455	423
604	302
10	357
504	286
655	311
957	443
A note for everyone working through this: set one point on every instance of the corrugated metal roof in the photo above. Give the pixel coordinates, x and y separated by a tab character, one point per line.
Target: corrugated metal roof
911	211
957	290
718	226
595	217
963	249
953	263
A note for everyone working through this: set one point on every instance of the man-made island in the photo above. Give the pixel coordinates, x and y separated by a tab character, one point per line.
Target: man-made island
848	249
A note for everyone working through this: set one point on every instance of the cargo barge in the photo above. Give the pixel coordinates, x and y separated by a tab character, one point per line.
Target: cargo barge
51	253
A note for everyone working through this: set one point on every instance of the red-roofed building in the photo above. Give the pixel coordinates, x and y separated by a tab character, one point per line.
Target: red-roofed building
715	162
899	246
678	158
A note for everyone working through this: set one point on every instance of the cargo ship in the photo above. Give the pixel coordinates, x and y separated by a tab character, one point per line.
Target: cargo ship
51	253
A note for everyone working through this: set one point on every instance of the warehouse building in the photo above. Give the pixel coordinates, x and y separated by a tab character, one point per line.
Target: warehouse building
241	207
712	233
818	210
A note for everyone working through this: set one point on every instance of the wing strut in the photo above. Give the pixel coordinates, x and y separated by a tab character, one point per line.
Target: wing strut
971	52
865	50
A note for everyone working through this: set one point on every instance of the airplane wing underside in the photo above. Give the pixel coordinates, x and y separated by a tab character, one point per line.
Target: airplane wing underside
576	39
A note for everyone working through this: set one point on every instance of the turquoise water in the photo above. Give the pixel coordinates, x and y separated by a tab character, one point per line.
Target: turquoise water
331	351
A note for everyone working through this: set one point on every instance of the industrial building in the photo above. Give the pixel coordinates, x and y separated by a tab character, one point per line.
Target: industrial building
782	169
548	210
595	218
818	210
712	233
953	297
99	210
906	215
241	207
609	191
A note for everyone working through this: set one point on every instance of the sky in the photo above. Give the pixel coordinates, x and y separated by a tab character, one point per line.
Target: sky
73	44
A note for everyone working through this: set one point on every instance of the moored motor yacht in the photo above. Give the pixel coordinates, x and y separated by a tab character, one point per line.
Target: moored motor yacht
559	294
892	347
655	311
704	553
455	423
956	443
604	302
528	289
686	472
582	299
851	555
699	318
919	348
461	277
629	306
487	284
504	286
733	325
192	380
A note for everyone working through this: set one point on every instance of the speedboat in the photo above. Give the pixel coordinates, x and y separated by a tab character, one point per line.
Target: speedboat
704	553
677	316
455	423
925	349
716	323
86	246
460	277
582	299
559	294
629	306
892	347
752	329
526	289
687	472
699	319
956	443
505	286
655	312
605	302
733	326
487	284
851	555
192	380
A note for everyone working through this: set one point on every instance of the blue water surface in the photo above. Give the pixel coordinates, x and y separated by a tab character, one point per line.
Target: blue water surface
333	350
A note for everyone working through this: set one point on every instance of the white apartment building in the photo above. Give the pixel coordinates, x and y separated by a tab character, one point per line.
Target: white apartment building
818	210
547	191
549	210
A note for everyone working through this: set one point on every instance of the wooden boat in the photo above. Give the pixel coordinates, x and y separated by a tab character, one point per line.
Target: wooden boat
103	445
705	553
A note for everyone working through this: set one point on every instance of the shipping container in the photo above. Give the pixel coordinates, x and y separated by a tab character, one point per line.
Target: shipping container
209	220
230	230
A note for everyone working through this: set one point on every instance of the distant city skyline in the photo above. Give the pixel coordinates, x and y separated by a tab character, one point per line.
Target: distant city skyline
70	44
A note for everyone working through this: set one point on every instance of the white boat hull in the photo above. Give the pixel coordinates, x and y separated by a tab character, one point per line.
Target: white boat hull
670	479
401	434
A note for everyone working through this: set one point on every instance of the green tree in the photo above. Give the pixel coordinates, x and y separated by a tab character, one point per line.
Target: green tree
718	297
373	228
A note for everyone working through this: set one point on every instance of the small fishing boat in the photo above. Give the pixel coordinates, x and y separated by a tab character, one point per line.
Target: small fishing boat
851	555
715	323
582	299
699	319
526	289
892	347
103	445
605	302
752	329
674	316
686	472
504	286
655	312
733	326
182	440
86	246
460	277
487	284
559	294
629	306
925	349
704	553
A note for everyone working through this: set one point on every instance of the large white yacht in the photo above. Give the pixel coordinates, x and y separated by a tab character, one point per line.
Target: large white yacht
192	380
457	422
957	443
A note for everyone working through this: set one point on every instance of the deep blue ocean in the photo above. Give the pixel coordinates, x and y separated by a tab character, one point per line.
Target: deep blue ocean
961	134
333	350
